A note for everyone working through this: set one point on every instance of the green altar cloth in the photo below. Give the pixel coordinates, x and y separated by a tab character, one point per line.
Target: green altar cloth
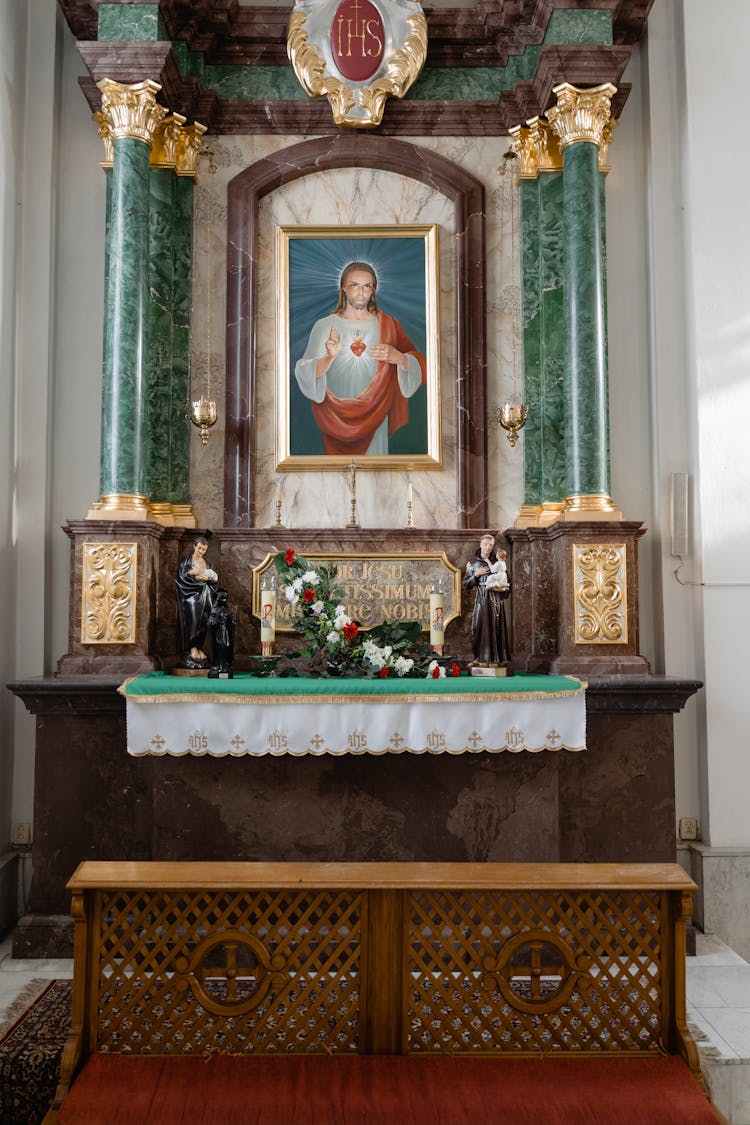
165	687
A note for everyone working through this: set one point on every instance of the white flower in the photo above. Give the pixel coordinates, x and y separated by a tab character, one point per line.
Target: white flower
333	637
317	608
311	578
342	618
291	595
297	585
403	664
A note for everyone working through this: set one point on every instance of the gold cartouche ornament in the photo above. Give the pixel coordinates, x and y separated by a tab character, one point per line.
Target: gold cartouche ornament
203	415
512	416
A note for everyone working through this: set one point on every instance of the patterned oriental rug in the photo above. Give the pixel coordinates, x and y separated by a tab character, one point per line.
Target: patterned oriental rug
31	1043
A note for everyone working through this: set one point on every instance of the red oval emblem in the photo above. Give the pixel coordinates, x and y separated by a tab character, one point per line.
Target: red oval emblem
357	39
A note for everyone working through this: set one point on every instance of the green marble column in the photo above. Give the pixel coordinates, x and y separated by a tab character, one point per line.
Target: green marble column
586	392
581	121
543	325
130	115
182	257
173	168
124	415
160	311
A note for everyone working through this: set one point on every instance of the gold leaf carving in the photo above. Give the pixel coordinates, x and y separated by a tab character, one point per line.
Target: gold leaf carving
600	592
357	106
109	593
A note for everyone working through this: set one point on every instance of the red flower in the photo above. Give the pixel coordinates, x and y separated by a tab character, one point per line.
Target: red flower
289	557
351	630
436	672
384	673
455	669
309	595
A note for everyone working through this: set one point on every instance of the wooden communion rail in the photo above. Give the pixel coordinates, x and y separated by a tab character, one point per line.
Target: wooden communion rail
374	992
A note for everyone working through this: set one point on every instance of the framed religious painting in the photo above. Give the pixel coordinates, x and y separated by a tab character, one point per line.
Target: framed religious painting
358	347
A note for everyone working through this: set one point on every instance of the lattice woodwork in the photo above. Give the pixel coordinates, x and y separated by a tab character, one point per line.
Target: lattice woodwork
384	958
191	973
534	972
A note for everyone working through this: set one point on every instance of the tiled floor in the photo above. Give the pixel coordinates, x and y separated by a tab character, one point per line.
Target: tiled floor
718	991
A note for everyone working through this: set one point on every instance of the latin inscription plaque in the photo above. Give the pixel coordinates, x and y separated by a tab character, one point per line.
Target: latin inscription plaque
378	588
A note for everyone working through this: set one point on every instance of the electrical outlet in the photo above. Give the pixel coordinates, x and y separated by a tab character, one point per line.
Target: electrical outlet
20	834
688	828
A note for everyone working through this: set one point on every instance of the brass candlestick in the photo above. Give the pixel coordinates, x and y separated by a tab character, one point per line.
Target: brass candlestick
353	521
278	522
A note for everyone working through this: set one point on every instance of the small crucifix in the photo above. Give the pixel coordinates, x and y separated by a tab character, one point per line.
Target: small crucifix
353	521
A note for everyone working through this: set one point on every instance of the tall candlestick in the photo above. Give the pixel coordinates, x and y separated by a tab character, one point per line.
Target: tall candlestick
353	521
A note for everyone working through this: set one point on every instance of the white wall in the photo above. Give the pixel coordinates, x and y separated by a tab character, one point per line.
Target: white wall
13	74
717	172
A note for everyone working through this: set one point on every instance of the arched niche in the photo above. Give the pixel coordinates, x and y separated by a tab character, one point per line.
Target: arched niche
347	151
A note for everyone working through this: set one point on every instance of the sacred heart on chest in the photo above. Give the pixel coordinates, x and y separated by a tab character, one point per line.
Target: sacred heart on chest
358	345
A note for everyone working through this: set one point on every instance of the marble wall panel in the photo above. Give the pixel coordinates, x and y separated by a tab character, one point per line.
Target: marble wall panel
92	801
405	808
356	197
617	798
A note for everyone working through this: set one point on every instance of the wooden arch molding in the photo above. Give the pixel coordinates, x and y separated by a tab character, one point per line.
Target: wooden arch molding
354	151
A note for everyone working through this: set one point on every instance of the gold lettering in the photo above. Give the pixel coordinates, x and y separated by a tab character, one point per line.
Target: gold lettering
395	593
349	38
374	35
341	49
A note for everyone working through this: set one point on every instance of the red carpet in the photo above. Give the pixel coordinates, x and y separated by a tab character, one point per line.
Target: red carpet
382	1090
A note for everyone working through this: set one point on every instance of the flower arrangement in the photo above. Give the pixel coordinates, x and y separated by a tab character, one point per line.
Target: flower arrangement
334	643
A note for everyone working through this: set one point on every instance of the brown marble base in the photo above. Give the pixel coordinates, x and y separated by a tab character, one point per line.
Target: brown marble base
8	891
546	593
43	936
612	802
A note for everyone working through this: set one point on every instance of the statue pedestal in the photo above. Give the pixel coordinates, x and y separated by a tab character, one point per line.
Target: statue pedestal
575	598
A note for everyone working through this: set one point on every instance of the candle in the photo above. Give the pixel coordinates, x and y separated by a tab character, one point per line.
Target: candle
267	621
437	610
410	493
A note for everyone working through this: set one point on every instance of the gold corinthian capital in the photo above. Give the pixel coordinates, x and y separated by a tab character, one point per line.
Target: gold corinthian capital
581	115
131	112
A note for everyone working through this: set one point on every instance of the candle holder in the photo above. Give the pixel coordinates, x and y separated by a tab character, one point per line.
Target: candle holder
203	415
512	417
277	522
353	521
410	512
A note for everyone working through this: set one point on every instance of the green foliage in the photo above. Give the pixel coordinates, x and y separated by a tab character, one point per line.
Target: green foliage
334	643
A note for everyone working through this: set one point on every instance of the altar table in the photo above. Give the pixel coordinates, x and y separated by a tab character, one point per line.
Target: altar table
249	715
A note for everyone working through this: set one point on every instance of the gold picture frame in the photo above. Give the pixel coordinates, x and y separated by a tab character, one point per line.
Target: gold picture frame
390	420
